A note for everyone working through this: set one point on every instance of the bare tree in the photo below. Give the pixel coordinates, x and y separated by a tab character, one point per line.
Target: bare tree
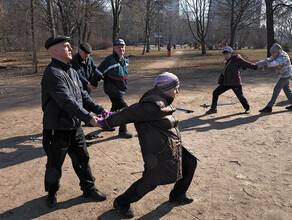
85	13
271	7
51	17
240	14
34	52
116	10
284	27
198	18
149	22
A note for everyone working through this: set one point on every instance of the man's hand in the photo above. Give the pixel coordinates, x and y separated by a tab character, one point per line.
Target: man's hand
90	86
94	121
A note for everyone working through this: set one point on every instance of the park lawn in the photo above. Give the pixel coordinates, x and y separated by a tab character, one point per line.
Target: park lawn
18	64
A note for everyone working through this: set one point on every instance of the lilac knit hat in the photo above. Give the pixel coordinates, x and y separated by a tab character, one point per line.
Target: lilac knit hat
166	81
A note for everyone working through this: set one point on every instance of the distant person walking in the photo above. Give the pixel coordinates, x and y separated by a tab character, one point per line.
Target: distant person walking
230	79
281	61
169	50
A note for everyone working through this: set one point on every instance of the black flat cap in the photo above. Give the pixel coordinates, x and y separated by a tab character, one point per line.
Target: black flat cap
86	48
55	40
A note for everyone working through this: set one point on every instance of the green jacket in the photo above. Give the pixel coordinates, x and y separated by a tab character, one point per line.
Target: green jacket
115	73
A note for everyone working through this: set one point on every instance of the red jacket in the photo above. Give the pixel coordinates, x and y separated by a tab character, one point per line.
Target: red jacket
233	68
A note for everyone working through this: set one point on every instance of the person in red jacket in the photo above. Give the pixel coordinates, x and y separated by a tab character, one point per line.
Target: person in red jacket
230	79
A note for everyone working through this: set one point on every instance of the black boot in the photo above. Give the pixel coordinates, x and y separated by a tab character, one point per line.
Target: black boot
182	199
266	109
289	108
51	200
211	111
126	211
95	194
123	132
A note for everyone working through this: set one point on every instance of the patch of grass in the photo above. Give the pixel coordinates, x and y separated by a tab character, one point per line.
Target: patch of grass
187	60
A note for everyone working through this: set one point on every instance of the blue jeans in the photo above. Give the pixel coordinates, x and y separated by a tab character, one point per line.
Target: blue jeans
283	83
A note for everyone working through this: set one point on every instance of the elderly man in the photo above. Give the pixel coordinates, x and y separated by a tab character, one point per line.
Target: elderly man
62	103
115	70
84	65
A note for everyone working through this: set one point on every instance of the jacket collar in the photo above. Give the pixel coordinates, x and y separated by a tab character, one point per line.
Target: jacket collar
65	66
81	60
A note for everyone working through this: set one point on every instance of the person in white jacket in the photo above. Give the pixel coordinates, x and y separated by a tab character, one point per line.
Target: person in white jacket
281	61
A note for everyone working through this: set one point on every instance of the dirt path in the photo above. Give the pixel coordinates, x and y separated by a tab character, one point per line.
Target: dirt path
168	62
245	160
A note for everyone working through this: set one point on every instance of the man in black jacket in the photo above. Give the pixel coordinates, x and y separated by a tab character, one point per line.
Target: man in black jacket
62	103
84	65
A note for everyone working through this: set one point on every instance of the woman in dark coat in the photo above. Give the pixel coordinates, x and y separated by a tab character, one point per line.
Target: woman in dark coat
165	159
230	79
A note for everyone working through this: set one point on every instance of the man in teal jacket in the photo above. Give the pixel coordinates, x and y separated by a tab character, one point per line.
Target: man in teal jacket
114	70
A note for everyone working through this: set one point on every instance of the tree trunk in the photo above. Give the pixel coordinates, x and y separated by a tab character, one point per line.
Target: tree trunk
232	29
204	51
270	25
34	53
116	9
148	44
51	17
232	36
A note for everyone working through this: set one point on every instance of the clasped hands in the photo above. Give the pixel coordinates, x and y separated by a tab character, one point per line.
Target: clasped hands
97	121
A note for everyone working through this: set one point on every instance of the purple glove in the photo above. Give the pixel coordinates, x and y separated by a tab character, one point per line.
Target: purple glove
105	114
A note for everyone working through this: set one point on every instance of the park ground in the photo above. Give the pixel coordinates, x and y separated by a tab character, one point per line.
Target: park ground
245	159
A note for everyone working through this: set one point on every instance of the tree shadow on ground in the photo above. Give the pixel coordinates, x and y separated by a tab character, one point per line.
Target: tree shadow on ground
195	123
162	210
18	151
36	208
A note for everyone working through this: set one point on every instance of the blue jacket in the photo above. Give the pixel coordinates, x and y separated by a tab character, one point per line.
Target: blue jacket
115	73
85	70
63	98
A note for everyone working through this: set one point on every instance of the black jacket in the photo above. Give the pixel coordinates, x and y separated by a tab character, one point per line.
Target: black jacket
85	70
63	98
233	68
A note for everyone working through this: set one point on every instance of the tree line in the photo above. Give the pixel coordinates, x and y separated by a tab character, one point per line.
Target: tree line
26	24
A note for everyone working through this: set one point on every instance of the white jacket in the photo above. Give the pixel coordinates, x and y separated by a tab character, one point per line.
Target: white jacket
282	64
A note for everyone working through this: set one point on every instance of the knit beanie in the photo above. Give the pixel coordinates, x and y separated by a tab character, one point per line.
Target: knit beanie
276	48
166	81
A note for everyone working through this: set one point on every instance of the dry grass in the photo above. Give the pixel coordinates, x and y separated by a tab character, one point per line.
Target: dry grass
18	64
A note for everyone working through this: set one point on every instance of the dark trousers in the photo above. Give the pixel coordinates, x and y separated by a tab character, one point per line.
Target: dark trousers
117	104
139	188
236	89
57	143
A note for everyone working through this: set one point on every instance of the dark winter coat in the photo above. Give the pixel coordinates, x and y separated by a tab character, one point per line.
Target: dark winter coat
233	68
115	73
158	134
63	98
85	70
